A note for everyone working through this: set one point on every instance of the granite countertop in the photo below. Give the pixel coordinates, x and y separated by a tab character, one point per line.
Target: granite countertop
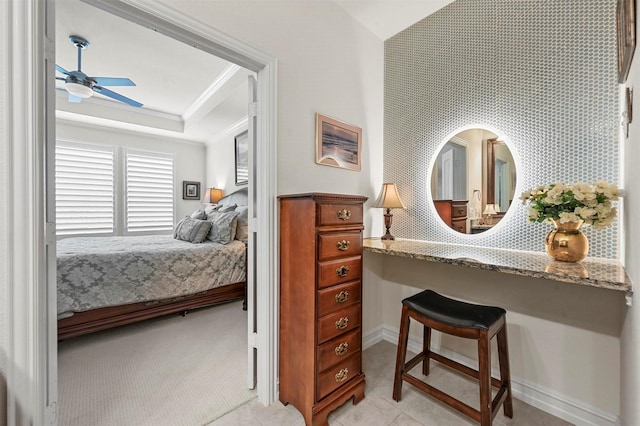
595	272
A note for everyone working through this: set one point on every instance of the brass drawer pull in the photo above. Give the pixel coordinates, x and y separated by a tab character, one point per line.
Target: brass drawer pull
342	323
343	245
342	348
341	376
460	211
342	271
342	297
344	214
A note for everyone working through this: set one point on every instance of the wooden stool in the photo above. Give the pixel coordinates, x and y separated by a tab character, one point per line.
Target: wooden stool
463	320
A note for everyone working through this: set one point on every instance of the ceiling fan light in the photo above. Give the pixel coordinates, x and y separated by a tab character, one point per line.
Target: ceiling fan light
78	90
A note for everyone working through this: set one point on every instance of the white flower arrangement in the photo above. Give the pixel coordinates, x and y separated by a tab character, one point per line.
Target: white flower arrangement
572	203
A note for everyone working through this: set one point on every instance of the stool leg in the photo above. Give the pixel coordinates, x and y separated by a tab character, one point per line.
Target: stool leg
426	349
402	353
505	372
484	377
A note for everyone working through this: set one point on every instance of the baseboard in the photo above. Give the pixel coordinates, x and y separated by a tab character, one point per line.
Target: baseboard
536	395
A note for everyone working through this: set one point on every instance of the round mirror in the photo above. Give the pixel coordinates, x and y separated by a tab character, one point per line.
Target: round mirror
473	180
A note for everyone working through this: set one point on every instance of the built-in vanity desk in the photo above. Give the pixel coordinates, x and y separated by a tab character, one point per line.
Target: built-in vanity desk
602	273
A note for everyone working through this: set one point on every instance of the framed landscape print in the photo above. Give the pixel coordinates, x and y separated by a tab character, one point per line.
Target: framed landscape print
338	144
190	190
242	158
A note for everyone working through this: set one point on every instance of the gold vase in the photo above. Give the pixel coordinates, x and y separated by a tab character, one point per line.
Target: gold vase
566	242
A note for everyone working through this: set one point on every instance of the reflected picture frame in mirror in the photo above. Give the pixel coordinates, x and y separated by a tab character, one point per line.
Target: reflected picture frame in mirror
488	166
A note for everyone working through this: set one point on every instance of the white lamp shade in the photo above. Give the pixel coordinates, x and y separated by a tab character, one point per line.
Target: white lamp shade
389	197
490	209
78	90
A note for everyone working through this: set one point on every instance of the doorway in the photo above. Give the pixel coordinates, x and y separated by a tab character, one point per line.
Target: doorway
263	232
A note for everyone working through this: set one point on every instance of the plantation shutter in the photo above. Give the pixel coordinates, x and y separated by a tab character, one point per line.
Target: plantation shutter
150	192
84	189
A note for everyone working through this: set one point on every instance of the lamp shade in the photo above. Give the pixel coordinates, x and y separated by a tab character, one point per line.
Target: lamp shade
389	197
490	209
212	196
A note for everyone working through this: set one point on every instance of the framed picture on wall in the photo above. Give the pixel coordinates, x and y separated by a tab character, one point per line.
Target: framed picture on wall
338	144
190	190
626	34
242	158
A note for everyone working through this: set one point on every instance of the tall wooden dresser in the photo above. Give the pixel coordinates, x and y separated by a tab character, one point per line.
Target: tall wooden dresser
320	302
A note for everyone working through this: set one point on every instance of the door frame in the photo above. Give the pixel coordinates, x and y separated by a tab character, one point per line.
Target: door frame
30	343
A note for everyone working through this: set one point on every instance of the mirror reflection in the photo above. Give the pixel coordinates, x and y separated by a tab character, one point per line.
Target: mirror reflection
473	181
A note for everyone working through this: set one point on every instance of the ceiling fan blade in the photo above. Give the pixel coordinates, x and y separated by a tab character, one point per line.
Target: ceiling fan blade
112	81
61	78
62	70
116	96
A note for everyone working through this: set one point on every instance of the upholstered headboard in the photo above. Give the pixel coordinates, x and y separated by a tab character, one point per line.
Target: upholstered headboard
239	197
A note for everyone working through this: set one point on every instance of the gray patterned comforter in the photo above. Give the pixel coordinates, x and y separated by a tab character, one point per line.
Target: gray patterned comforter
95	272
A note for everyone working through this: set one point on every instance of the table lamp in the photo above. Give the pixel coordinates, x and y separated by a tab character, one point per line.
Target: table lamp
388	199
212	196
489	210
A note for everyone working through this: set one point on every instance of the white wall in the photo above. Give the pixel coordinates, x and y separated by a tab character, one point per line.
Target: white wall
630	361
189	156
220	160
327	63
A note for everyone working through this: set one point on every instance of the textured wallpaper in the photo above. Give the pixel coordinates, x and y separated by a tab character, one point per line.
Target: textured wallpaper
542	73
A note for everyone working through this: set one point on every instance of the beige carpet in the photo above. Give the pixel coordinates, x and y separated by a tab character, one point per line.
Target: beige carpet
168	371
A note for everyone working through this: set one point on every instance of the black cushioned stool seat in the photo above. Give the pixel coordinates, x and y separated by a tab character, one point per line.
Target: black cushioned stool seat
460	319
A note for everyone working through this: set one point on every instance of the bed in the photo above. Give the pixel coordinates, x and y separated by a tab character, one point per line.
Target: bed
105	282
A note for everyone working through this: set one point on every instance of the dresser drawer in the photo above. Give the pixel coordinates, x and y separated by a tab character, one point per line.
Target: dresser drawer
339	214
337	297
339	271
337	323
336	376
339	244
338	349
458	209
459	225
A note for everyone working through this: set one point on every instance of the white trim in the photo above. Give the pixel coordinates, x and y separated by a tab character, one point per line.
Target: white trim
25	341
66	119
222	79
542	397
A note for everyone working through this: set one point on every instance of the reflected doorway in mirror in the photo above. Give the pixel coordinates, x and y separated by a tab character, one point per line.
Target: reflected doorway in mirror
474	163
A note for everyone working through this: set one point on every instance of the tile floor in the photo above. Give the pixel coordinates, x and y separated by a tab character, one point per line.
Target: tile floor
379	409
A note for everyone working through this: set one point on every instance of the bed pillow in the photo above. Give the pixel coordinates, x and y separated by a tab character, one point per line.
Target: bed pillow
242	229
199	214
229	208
192	230
223	226
210	209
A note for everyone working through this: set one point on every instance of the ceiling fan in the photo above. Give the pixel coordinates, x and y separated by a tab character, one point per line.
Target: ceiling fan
81	86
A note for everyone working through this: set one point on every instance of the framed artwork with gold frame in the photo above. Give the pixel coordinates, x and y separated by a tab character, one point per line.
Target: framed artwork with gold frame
626	34
338	144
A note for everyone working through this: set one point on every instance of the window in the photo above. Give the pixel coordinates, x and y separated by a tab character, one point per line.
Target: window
84	189
93	197
149	191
